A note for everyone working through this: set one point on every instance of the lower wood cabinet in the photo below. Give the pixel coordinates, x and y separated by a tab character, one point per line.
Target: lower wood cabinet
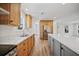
25	47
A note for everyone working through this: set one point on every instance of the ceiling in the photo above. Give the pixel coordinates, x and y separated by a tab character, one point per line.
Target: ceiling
49	10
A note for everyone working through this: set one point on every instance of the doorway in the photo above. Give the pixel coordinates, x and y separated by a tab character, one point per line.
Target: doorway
46	27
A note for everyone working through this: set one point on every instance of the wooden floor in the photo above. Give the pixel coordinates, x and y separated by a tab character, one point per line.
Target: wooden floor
41	48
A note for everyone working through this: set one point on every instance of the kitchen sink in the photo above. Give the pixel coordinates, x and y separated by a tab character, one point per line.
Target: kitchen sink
24	35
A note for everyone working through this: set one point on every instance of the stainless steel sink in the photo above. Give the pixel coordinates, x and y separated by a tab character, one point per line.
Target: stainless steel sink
24	35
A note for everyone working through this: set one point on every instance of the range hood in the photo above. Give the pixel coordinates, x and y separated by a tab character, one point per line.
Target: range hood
3	11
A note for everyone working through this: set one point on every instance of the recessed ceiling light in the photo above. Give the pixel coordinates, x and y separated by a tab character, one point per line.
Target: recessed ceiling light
63	3
26	9
54	17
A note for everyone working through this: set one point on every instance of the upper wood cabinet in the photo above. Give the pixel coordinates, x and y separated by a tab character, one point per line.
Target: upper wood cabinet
14	14
5	6
4	19
28	21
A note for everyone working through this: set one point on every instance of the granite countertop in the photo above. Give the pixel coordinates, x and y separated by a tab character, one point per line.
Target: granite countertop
70	42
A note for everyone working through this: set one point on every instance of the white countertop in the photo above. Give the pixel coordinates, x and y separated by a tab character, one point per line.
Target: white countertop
12	40
70	42
12	35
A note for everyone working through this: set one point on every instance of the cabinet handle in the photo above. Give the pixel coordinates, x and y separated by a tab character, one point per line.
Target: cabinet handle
61	48
11	21
24	49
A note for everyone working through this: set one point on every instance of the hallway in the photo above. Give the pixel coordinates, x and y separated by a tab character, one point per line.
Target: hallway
41	48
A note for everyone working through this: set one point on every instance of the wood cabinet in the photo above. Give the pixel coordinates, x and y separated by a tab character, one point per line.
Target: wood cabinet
4	19
28	21
22	48
14	14
25	47
5	6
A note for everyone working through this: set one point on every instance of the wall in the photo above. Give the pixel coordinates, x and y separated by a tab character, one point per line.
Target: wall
22	18
67	20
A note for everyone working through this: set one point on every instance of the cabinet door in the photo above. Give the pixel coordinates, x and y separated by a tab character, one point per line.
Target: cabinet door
4	19
67	52
28	21
22	48
52	46
30	43
56	48
19	49
49	40
15	14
